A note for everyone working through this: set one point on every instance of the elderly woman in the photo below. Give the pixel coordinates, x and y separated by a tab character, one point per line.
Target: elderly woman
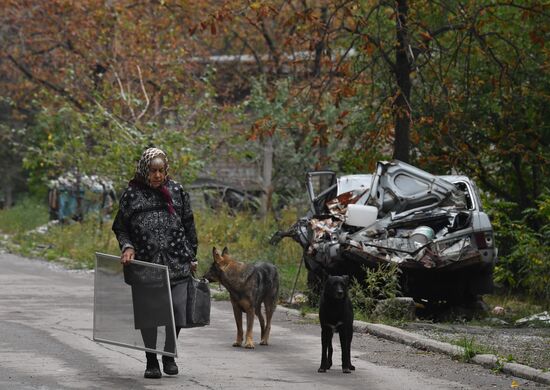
155	224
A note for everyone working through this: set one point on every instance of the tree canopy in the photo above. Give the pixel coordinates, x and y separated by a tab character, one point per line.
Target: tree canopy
454	85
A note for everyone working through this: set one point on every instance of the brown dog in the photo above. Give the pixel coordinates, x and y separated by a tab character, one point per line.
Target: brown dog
249	285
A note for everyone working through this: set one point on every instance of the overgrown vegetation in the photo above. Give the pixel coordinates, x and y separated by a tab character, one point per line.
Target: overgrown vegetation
247	238
28	214
515	306
379	284
74	244
524	245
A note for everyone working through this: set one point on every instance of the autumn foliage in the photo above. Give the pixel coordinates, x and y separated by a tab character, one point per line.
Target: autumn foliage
291	85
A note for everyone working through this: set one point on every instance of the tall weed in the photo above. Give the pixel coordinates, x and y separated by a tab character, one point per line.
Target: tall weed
471	348
379	283
247	238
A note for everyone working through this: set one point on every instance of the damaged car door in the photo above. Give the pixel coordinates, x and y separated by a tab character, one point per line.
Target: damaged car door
433	227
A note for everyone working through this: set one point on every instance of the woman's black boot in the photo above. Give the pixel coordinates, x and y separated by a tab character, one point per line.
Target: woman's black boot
169	365
152	370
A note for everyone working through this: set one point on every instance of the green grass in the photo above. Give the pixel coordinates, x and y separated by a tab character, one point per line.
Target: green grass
247	238
74	244
516	306
471	348
26	215
220	295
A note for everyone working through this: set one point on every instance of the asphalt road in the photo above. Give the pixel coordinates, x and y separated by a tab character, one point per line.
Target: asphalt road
46	316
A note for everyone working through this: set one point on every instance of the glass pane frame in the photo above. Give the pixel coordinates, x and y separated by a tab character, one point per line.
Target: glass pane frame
113	316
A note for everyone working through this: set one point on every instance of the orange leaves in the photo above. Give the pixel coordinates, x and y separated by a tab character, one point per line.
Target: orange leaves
323	132
320	126
261	128
369	48
346	90
343	114
212	21
414	137
426	120
255	130
262	10
444	127
536	38
425	36
203	26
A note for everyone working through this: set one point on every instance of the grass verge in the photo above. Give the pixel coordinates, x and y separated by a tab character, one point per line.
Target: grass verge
74	244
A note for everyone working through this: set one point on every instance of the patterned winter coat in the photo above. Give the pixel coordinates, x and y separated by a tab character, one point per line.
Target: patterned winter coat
157	236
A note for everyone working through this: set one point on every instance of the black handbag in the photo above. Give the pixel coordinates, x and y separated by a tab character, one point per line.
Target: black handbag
198	303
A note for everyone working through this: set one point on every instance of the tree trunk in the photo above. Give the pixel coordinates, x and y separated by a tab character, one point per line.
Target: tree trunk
402	108
267	175
8	194
323	158
320	45
522	198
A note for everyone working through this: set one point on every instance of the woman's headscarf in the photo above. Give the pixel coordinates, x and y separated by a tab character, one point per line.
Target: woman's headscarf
142	168
141	177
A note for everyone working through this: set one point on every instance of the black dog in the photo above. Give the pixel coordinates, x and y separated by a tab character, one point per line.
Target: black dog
336	314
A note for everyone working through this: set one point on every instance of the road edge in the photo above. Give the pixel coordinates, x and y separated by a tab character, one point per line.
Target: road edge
421	342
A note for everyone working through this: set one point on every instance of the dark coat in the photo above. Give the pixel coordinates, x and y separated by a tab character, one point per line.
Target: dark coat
144	222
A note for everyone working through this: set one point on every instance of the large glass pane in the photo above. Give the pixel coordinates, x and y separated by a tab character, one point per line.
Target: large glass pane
133	306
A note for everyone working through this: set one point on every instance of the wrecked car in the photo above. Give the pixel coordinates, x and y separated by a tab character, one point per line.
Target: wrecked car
433	227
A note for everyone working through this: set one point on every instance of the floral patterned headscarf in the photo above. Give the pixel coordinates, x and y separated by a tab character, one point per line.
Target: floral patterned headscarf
142	168
141	177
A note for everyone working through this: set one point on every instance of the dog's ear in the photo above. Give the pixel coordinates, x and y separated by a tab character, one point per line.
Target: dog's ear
215	253
225	251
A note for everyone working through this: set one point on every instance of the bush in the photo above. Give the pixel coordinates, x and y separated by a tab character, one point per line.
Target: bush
524	264
379	283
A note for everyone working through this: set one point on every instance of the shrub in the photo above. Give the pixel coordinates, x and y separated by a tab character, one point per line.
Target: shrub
524	264
380	283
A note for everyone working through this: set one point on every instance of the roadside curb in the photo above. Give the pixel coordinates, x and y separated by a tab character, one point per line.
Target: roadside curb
417	341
